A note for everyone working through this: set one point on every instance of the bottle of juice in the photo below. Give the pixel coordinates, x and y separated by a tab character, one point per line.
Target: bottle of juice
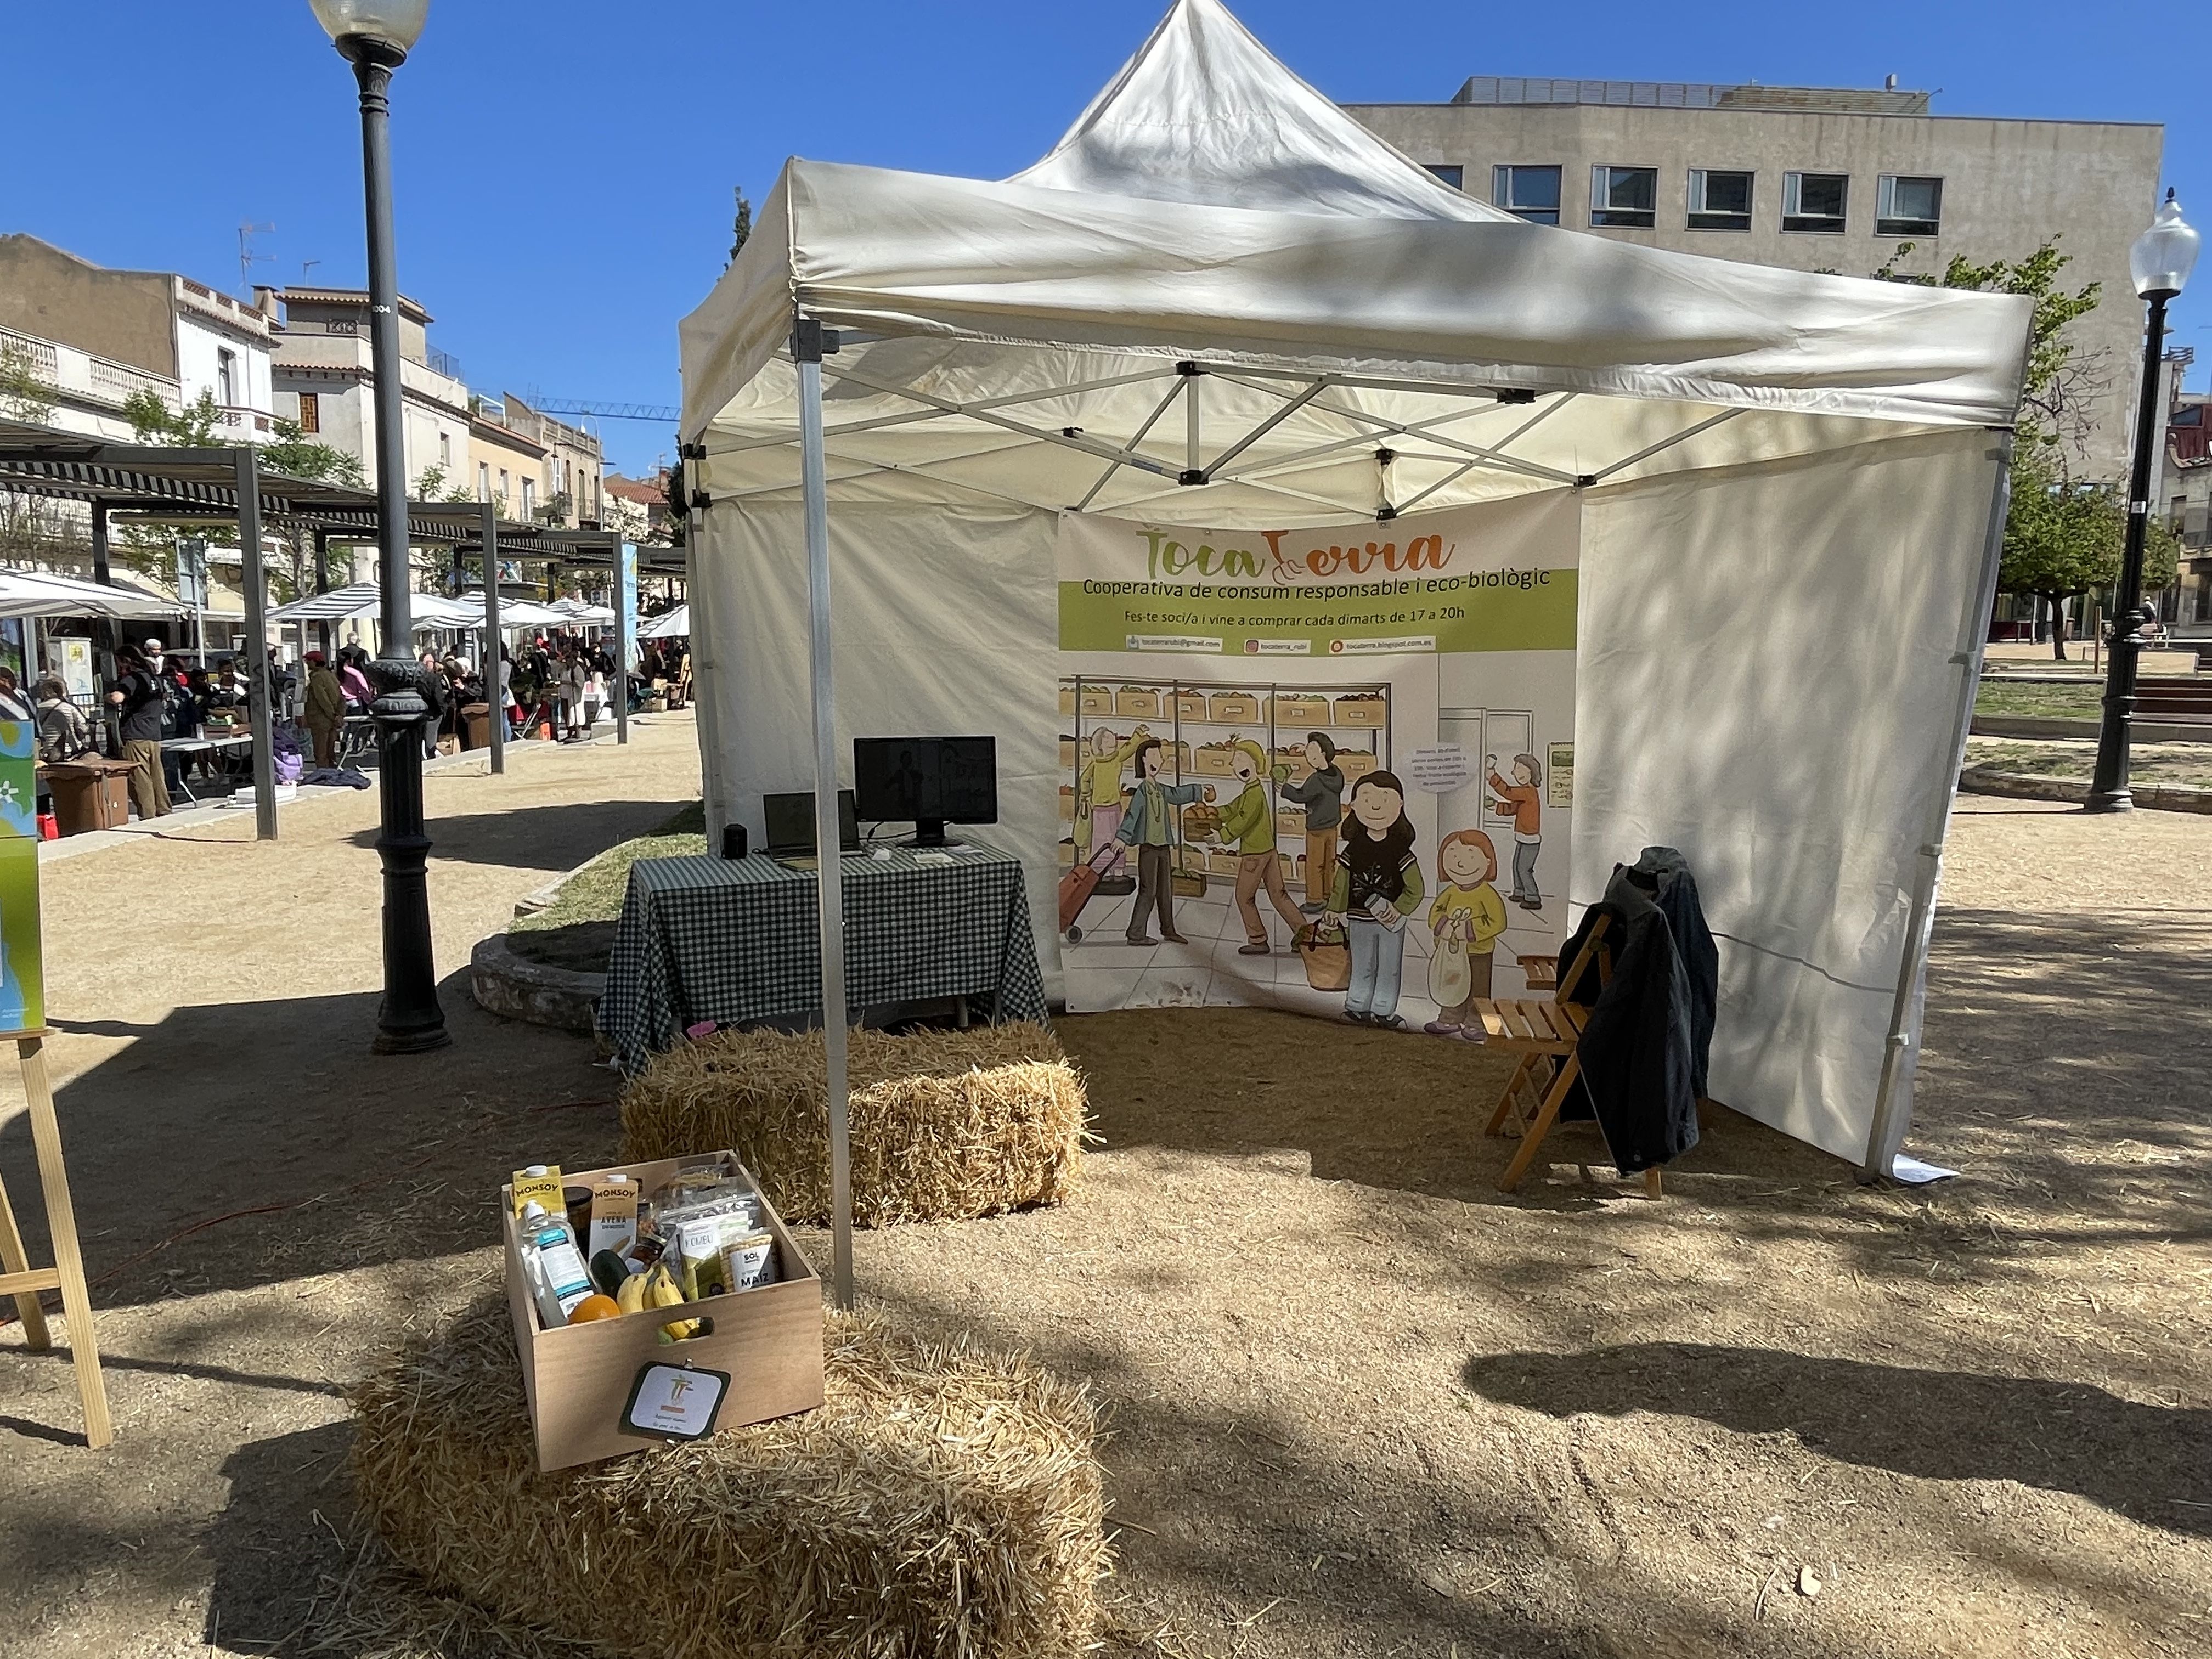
558	1270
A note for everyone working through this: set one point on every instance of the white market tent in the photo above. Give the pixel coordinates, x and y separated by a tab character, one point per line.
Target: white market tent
582	611
366	600
1791	488
668	625
40	593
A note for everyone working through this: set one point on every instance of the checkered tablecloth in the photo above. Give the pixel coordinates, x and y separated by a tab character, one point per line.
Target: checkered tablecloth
736	939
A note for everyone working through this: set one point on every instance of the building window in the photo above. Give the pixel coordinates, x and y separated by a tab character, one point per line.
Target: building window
1624	198
1455	177
1531	192
446	450
226	378
311	411
503	486
1719	201
484	481
1814	201
1908	207
529	496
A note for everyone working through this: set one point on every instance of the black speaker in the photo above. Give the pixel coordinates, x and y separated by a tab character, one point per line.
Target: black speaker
734	841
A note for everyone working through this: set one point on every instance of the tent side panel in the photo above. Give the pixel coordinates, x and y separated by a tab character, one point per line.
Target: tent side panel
947	624
1767	683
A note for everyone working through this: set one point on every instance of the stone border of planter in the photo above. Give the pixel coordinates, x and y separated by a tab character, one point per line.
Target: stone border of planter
506	982
2026	786
2031	726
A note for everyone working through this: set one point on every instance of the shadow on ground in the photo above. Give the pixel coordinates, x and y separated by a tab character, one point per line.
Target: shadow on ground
2060	1436
552	838
320	1157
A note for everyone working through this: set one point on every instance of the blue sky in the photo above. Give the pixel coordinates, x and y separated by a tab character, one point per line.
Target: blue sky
564	169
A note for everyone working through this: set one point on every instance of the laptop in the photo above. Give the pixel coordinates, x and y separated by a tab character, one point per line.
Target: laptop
789	822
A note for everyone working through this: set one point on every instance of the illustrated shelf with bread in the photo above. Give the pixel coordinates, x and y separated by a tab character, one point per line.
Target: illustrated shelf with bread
1201	724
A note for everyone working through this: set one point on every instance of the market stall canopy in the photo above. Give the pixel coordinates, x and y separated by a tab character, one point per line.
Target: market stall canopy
1212	212
364	600
528	613
668	625
40	593
582	611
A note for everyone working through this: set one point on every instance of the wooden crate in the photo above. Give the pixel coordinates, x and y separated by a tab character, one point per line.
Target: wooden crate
1301	711
1067	752
1222	860
1355	764
1210	762
1190	705
1067	700
1066	803
1361	711
1094	699
1294	756
1137	703
1067	852
578	1379
1290	820
1235	708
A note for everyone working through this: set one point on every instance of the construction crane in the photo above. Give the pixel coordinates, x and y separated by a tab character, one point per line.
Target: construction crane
662	414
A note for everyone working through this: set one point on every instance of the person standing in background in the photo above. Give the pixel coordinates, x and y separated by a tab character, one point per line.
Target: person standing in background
139	707
325	711
13	705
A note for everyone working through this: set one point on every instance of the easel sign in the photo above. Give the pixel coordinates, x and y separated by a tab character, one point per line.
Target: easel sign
22	1020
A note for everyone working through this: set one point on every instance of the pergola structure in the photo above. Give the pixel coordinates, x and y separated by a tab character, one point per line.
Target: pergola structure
230	486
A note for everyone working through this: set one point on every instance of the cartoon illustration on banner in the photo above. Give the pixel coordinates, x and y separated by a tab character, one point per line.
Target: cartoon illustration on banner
22	980
1307	772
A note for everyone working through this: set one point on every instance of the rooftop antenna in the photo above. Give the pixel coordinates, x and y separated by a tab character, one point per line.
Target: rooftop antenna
306	266
247	258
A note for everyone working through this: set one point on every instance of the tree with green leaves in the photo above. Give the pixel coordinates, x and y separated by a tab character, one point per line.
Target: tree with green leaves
296	455
24	395
2065	533
740	228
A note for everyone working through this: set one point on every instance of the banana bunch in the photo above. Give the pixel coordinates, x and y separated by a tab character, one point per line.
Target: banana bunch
657	1288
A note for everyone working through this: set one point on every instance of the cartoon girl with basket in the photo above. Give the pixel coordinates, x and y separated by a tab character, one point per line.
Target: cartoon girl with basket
1466	919
1377	886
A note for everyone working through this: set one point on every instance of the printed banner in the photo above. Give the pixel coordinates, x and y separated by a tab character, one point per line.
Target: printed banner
1307	771
22	977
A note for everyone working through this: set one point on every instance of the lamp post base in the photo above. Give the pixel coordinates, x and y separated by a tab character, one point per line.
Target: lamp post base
409	1021
2110	800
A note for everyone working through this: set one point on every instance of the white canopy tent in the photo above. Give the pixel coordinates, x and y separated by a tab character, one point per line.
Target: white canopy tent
366	600
582	611
40	593
1789	489
668	625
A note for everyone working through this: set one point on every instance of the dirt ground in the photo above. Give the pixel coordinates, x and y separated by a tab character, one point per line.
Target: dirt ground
1363	1404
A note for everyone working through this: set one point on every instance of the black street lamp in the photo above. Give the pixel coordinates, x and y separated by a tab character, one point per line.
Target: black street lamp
2160	264
374	36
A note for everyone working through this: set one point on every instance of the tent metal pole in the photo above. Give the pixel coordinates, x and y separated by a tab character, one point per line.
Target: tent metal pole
261	710
493	646
846	427
1265	426
1649	450
1130	448
1892	1098
807	345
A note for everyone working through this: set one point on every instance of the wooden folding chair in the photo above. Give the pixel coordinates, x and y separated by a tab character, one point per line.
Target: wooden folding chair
1543	1031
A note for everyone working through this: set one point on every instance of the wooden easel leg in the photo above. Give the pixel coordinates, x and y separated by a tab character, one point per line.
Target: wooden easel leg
61	1222
1547	1116
14	1260
1652	1182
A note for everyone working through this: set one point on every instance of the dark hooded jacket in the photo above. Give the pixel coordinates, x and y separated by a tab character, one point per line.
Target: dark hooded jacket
1644	1049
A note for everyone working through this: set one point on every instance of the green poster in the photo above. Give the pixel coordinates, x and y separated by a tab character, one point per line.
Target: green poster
22	982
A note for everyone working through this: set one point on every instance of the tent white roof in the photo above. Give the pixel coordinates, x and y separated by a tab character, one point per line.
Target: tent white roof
668	625
529	613
41	593
360	599
1210	207
582	611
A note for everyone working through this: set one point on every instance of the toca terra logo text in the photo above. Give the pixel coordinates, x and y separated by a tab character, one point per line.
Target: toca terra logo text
1285	560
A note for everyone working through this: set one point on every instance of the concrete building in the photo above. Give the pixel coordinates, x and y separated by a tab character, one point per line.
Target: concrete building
324	380
92	337
638	507
572	488
1812	179
505	466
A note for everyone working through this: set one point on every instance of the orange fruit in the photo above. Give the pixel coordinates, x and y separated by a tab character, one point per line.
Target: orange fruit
595	1307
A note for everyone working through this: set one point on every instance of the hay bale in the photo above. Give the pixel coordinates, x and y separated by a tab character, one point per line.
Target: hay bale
944	1125
944	1502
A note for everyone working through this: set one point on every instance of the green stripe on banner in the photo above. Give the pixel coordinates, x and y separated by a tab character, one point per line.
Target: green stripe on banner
1481	610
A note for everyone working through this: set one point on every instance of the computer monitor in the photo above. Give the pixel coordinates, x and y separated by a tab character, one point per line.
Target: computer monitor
926	781
789	821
